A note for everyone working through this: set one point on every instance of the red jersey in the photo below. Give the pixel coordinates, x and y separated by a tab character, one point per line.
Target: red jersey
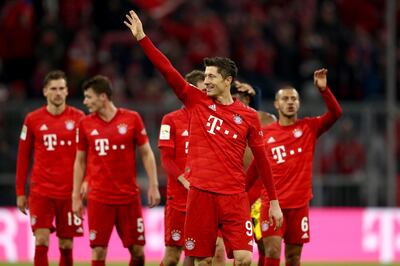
52	139
174	133
218	134
110	150
290	151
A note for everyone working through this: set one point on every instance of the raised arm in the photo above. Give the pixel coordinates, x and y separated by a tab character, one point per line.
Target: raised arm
159	60
149	163
334	109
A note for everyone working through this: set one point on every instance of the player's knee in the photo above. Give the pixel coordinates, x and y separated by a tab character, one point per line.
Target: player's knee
65	243
243	260
137	251
41	240
293	260
272	248
203	261
99	253
171	260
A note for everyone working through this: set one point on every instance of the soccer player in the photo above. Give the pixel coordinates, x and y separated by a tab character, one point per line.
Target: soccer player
220	129
49	133
290	144
174	144
106	159
245	93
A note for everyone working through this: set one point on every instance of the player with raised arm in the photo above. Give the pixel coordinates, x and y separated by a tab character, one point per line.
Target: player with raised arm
49	133
220	129
106	155
173	143
290	145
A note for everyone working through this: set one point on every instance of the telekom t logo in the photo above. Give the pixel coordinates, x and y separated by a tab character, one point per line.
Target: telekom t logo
279	153
102	146
212	124
50	140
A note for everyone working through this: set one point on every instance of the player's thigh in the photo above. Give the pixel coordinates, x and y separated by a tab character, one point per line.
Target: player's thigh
235	220
297	225
42	212
130	224
68	225
267	230
174	222
201	224
101	219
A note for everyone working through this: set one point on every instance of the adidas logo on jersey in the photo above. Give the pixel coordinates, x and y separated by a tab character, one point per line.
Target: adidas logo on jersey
94	132
185	133
271	140
304	236
141	237
43	127
213	107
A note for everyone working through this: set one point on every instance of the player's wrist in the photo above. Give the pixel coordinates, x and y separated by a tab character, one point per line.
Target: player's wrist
76	196
274	203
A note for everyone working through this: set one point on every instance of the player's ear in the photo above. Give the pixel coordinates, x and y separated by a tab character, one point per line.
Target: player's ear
228	81
276	104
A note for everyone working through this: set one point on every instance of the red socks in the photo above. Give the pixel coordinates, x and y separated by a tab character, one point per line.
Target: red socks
271	262
98	263
66	257
41	258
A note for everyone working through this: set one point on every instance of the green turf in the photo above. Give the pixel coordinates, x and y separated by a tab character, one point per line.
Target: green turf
156	264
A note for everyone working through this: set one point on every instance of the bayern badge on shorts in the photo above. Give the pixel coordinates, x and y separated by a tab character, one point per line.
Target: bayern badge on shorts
92	235
264	226
70	124
190	243
122	129
176	235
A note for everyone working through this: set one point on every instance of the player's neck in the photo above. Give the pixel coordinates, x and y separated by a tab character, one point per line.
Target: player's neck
287	121
55	110
108	112
224	99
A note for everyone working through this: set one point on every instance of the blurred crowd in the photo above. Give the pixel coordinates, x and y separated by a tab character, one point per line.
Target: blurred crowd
272	41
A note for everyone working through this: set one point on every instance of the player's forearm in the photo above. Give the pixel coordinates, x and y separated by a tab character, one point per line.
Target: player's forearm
331	103
264	171
149	163
79	175
168	162
161	62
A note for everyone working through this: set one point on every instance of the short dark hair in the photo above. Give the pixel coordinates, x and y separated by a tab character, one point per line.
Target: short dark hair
195	76
285	87
226	67
99	84
54	75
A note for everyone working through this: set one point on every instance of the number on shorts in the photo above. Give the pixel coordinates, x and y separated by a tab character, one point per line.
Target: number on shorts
304	224
249	228
73	219
140	225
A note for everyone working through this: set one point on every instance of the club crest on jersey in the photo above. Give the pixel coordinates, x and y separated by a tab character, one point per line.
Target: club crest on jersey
122	129
297	133
190	243
237	119
69	124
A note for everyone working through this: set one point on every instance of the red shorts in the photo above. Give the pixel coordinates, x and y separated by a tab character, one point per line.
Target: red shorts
174	222
209	212
295	228
43	210
127	219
